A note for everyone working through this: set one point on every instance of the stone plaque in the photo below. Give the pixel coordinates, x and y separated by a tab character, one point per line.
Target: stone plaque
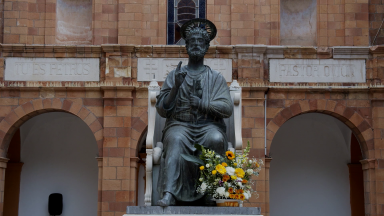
52	69
159	68
317	70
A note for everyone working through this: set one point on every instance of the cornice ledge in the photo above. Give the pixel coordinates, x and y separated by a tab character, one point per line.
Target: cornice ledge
173	49
275	51
244	48
379	49
225	49
144	51
347	52
40	48
111	48
158	49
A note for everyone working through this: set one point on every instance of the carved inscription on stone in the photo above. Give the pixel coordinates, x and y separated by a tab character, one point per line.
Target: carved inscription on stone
317	70
159	68
52	69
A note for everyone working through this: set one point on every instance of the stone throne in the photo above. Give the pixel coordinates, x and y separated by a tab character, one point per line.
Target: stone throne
154	146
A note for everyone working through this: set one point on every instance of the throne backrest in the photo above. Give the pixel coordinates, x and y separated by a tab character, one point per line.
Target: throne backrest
154	134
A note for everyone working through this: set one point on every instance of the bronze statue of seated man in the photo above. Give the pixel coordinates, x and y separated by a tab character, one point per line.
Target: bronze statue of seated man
194	99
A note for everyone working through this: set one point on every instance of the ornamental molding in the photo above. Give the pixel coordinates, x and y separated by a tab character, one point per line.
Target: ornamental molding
351	52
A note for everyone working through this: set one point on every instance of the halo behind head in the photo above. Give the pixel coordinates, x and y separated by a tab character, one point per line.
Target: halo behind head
199	23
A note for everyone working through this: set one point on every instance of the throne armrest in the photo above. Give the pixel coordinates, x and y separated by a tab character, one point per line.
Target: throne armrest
153	91
235	91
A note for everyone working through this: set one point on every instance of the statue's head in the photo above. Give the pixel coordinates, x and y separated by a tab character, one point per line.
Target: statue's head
197	34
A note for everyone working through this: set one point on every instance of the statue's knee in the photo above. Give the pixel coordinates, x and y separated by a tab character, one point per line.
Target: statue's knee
215	137
175	138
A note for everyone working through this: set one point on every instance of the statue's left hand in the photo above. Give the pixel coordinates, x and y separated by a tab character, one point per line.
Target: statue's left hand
194	101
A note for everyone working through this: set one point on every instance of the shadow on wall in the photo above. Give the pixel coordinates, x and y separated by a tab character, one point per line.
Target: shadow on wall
309	173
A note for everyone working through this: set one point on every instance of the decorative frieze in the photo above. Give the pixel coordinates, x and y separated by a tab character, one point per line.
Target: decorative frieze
158	68
52	69
317	70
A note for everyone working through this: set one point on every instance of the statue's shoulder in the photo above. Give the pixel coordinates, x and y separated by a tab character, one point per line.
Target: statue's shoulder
214	72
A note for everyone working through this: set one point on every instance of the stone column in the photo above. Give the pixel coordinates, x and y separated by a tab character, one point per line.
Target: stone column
267	165
99	183
3	166
369	171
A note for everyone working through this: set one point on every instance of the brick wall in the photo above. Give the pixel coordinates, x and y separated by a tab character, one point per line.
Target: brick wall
376	16
143	22
117	112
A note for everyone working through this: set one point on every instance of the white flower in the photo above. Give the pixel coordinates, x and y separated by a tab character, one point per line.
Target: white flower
249	171
246	196
239	183
220	191
217	156
227	194
203	186
250	161
230	170
248	193
207	165
201	179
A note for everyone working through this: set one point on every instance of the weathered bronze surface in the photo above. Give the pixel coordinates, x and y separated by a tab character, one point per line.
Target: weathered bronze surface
194	99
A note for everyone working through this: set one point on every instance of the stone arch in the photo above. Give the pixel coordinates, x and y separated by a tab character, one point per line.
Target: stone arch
24	112
359	126
139	129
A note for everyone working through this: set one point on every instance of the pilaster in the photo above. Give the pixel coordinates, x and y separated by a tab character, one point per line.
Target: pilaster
372	207
3	167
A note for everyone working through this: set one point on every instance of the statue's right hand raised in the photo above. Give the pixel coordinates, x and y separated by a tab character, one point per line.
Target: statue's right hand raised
179	76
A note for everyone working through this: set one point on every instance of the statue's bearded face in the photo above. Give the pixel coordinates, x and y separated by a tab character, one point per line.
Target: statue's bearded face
197	45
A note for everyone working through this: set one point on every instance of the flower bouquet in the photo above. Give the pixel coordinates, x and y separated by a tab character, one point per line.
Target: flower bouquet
227	177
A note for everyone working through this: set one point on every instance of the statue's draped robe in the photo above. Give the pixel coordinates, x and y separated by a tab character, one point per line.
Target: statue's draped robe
186	126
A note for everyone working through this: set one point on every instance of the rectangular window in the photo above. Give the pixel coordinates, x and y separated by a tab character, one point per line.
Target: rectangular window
179	12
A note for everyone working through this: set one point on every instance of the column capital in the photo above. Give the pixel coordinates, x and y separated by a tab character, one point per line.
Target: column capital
3	162
268	162
99	161
369	163
134	161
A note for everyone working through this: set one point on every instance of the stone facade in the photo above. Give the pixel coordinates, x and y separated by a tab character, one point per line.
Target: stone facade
115	108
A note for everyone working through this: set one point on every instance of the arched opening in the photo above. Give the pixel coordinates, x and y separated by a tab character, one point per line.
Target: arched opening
315	168
54	153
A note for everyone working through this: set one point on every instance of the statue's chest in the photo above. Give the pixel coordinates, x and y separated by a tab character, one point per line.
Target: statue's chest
194	86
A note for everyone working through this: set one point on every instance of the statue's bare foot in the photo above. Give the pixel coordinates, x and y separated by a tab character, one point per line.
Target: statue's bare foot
168	200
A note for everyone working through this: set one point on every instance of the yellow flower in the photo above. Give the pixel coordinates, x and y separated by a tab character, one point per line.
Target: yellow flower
221	169
257	165
241	197
232	196
214	172
236	196
239	172
230	155
224	164
233	177
202	167
230	190
235	164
